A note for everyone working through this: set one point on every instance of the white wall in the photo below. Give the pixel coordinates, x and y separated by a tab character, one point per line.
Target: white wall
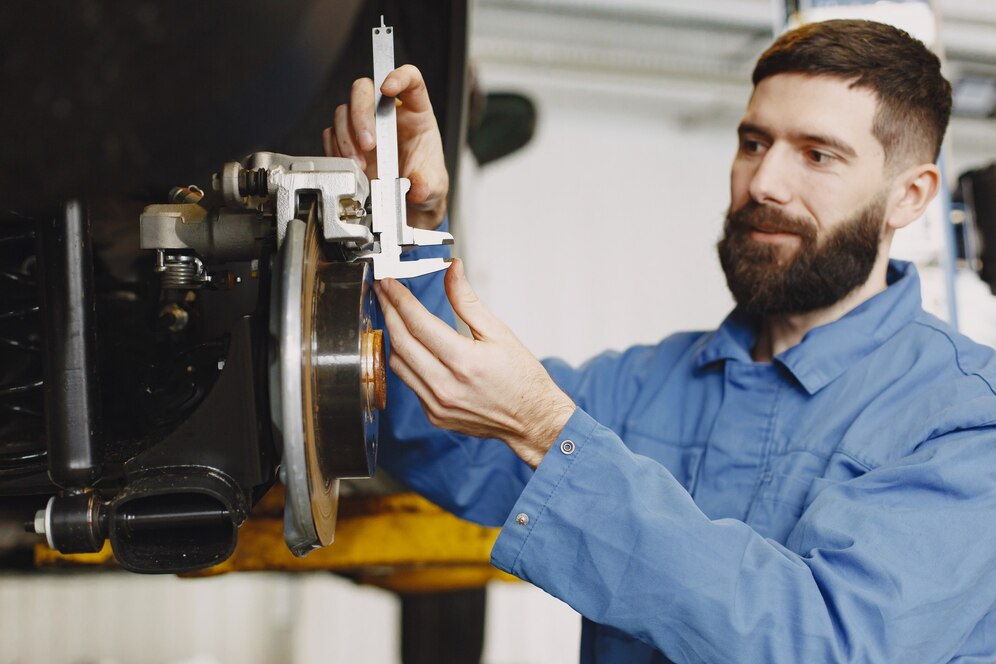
601	232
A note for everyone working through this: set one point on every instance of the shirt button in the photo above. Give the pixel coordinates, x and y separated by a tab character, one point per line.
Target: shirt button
522	518
567	447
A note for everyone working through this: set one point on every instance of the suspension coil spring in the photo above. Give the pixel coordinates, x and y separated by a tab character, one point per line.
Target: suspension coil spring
22	423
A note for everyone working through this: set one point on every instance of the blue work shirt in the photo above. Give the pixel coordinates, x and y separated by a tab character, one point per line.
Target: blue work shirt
837	504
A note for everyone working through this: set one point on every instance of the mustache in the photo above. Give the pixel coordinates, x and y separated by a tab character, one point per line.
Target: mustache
754	216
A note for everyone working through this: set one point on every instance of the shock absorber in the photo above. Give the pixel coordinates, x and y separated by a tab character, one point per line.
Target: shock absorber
74	520
70	341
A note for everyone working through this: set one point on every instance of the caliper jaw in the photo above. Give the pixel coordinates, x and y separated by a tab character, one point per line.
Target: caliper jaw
390	224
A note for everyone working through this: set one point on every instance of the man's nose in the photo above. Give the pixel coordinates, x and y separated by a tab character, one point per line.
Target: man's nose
770	183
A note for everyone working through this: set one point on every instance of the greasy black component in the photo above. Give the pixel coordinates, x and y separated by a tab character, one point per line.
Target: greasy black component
176	521
226	429
186	495
22	458
23	481
174	386
19	458
128	301
76	523
14	454
253	182
70	355
190	405
22	447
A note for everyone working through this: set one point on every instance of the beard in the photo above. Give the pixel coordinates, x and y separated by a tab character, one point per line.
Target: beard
822	271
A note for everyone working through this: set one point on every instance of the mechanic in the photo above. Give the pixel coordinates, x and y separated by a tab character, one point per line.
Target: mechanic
813	481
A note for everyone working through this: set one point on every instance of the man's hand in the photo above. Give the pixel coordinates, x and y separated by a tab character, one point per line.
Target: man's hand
489	386
420	146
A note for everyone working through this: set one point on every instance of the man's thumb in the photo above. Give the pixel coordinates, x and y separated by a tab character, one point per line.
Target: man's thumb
419	191
467	305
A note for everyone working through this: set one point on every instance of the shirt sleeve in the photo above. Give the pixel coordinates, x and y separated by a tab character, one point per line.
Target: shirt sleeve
886	567
607	385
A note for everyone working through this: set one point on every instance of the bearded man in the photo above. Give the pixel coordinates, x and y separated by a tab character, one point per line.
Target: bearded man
814	481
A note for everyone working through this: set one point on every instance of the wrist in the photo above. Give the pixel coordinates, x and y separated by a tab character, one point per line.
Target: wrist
542	429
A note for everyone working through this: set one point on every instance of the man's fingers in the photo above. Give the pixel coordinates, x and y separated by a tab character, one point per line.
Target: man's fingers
407	84
428	196
420	189
434	335
468	306
342	133
408	342
343	143
401	368
361	113
439	406
328	143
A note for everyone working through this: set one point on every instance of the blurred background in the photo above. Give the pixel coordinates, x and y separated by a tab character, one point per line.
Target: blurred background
590	142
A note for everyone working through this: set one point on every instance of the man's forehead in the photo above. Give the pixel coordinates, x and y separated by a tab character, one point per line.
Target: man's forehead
803	104
831	92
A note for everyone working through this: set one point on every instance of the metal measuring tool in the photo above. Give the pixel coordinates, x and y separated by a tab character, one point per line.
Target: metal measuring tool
388	191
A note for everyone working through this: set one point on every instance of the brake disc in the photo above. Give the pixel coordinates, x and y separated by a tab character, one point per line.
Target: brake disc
327	381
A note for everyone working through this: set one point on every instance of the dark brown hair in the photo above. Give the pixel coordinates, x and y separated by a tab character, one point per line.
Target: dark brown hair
914	99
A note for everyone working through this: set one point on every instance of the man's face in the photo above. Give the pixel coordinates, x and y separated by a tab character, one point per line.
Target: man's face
807	195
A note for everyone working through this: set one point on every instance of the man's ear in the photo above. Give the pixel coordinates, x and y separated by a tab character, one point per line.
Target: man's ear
912	190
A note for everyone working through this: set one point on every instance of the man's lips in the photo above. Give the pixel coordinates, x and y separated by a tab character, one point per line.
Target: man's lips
769	225
770	230
768	234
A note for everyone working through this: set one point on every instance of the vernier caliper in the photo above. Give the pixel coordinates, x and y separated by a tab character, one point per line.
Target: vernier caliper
387	192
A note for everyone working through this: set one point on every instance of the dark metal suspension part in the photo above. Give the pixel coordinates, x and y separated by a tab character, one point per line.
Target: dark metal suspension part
70	360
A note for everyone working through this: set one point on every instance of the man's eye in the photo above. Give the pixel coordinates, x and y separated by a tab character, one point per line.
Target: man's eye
751	146
820	157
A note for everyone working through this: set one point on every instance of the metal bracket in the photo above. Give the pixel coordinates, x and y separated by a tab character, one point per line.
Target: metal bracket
338	184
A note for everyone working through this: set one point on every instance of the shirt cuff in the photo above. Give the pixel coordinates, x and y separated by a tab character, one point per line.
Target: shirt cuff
528	512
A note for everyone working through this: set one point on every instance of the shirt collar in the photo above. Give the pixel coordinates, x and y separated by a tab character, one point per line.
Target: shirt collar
828	350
